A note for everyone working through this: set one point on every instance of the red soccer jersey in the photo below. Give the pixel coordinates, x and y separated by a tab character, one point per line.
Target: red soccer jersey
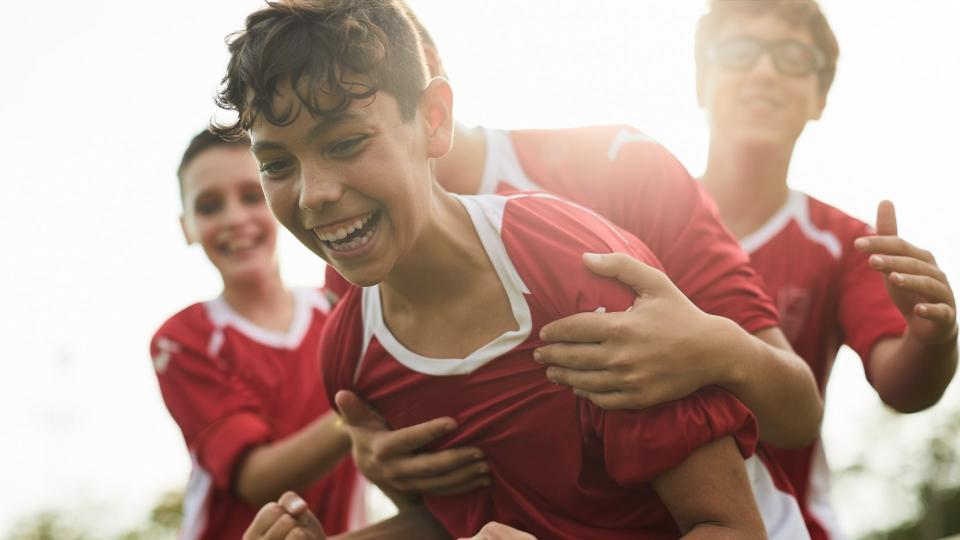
561	467
828	296
638	185
231	385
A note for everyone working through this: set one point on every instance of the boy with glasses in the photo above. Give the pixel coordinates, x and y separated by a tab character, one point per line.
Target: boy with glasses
764	69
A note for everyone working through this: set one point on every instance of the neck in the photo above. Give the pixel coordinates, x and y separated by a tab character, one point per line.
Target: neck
265	301
446	262
748	185
461	169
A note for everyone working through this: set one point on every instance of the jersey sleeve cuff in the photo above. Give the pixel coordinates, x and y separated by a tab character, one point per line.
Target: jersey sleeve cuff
221	446
641	445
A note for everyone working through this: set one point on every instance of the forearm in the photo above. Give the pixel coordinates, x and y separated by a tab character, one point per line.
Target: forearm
293	462
775	383
910	376
410	522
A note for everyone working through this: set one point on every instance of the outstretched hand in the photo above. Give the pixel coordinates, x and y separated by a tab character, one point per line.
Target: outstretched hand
656	351
388	459
287	519
915	283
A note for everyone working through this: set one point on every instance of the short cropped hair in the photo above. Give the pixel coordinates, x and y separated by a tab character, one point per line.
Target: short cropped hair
797	13
202	142
345	49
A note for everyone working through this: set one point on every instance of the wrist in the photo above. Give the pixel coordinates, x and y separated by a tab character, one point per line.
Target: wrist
732	348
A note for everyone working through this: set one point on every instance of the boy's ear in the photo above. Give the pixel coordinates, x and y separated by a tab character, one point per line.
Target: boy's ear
820	106
436	105
186	230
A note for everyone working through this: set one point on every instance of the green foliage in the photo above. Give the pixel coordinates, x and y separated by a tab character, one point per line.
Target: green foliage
162	524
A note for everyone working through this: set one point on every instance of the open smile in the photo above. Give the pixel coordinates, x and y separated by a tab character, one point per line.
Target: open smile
349	236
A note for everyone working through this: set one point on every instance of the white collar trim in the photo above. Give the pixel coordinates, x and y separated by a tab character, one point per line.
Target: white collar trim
304	301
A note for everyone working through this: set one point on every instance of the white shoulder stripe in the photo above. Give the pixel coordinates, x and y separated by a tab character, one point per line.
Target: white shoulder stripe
796	209
502	164
625	136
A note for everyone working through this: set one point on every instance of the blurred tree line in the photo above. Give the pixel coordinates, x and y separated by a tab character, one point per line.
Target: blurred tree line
162	524
938	497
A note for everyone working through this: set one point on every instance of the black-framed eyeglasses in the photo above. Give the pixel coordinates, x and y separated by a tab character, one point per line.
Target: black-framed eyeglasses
790	57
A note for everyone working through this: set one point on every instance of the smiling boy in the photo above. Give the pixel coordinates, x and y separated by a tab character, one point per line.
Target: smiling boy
345	126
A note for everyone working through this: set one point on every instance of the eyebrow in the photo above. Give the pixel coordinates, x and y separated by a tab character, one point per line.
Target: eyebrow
321	128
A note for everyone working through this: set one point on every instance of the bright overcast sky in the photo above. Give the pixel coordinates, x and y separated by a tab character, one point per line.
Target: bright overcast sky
100	97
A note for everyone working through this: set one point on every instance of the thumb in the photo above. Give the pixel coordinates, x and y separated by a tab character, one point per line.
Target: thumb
357	413
639	276
297	508
886	219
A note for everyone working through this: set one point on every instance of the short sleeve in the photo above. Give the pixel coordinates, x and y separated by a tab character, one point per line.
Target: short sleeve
640	445
220	416
866	312
679	222
642	188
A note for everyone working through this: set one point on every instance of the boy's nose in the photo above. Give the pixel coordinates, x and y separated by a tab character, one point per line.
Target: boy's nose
317	190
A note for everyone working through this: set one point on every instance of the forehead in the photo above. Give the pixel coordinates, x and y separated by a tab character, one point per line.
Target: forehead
220	167
768	26
379	109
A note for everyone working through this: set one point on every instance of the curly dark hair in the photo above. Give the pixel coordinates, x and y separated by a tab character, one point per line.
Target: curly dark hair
798	13
344	49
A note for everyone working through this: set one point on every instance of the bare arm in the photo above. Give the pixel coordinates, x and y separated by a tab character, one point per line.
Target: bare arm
291	463
666	348
912	371
709	494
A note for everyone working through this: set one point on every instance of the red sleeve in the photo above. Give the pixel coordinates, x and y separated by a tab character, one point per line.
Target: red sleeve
638	446
341	344
679	222
641	187
866	312
545	238
219	415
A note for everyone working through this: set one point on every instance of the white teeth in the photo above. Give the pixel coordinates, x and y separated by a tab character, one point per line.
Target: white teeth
336	237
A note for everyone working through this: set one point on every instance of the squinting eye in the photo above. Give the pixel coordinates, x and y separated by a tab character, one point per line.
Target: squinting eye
274	169
347	147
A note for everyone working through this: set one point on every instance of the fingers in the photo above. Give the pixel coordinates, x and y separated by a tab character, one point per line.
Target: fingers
572	355
297	507
406	440
433	464
892	245
931	289
939	313
886	219
906	265
356	413
265	518
586	381
462	480
578	328
631	272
